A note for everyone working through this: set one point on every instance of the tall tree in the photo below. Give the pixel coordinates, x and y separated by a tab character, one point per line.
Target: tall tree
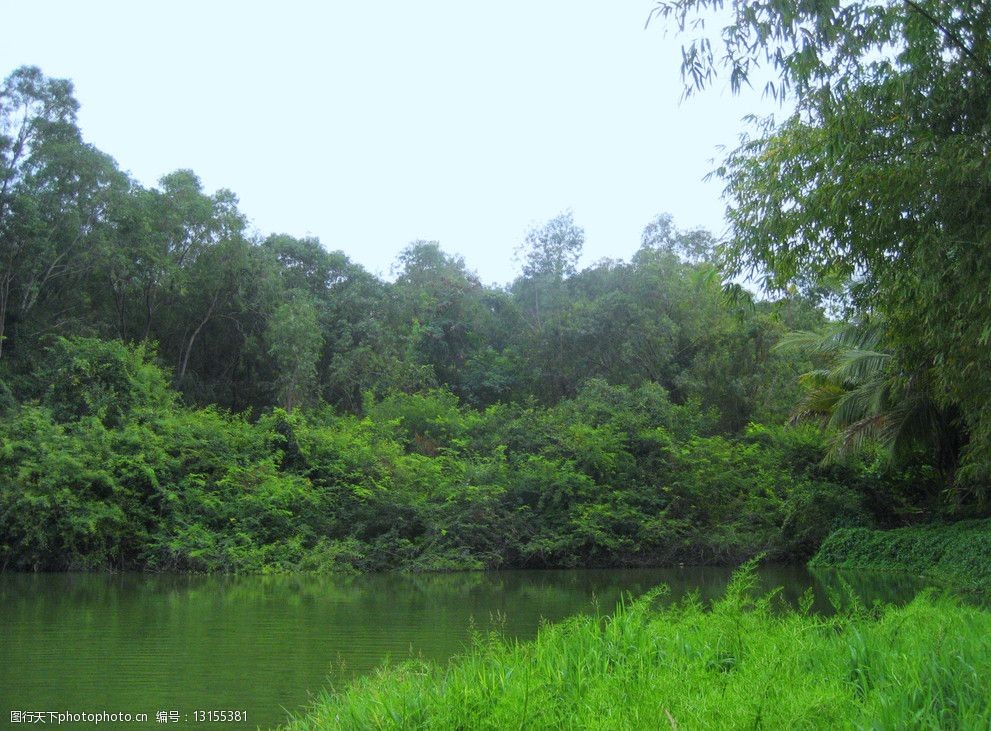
550	256
294	343
881	175
55	197
443	304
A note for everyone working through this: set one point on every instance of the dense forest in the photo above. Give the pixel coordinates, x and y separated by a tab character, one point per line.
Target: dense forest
807	384
179	392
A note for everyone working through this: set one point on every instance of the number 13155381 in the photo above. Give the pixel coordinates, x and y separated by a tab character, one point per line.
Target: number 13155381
220	716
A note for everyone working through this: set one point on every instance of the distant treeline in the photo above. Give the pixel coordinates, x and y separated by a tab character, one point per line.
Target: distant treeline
248	322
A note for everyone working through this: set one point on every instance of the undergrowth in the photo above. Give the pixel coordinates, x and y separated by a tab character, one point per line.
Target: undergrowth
956	554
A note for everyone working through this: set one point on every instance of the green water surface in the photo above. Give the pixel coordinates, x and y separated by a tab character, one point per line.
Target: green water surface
263	645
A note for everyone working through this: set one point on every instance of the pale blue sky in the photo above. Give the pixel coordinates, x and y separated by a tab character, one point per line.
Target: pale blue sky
371	125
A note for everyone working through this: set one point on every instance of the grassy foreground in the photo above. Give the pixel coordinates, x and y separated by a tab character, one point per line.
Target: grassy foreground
738	664
958	554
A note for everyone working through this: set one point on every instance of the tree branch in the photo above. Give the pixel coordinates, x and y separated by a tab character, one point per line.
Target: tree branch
955	39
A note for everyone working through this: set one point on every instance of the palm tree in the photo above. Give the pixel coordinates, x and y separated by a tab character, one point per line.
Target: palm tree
866	393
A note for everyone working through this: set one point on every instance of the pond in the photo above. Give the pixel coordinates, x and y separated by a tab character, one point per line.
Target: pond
134	643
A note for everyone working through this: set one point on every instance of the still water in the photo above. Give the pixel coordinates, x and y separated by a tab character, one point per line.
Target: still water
137	643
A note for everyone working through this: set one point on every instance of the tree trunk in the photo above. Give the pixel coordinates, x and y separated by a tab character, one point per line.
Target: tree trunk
4	294
192	338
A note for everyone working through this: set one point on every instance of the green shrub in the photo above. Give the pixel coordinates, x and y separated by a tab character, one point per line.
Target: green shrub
957	554
103	378
109	470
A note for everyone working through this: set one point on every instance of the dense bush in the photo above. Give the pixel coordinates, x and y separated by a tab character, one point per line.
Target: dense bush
106	469
956	554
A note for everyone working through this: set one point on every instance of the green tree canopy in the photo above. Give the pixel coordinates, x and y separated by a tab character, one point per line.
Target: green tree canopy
880	177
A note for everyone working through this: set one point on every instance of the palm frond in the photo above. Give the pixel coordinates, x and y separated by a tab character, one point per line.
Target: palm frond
853	437
856	364
860	393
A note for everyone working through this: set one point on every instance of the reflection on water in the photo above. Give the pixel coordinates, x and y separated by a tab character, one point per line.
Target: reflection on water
148	643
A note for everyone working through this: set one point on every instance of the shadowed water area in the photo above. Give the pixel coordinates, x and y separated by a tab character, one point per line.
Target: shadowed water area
264	644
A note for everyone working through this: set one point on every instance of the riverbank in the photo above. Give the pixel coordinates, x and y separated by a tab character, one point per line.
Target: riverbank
956	554
738	664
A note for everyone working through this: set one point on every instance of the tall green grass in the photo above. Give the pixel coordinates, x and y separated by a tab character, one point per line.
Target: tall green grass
956	554
739	664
